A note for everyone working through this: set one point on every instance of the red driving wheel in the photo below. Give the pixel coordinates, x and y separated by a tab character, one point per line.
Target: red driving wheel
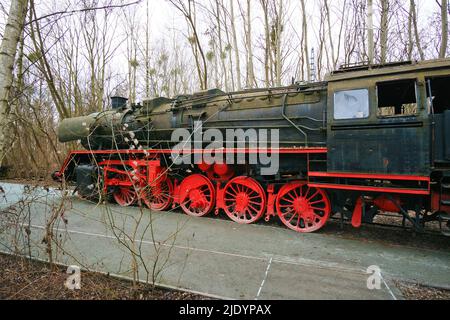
158	195
245	200
303	208
124	195
197	195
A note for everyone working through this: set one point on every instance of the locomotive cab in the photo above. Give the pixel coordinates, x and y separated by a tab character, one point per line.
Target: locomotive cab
388	138
383	120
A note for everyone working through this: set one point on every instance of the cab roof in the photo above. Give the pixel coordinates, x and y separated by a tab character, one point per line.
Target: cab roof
356	71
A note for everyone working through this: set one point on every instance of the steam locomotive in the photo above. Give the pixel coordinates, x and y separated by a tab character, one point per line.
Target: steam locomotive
369	139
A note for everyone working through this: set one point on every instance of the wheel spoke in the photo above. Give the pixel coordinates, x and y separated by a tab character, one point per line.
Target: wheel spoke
293	215
315	194
309	207
247	202
200	197
124	196
158	197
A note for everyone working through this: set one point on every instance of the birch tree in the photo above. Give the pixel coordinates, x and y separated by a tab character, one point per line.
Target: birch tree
13	31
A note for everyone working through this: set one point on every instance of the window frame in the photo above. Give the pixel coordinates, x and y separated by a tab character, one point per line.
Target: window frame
352	89
416	90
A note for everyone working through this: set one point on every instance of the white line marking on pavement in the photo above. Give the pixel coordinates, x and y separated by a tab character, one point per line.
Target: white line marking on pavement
153	243
389	289
315	264
264	280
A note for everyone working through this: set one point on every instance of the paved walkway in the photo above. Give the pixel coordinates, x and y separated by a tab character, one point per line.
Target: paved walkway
221	258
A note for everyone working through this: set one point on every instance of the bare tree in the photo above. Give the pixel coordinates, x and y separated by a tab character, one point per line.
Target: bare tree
13	30
415	29
189	14
235	46
247	19
330	36
444	39
370	31
384	29
222	53
277	32
147	52
305	58
268	63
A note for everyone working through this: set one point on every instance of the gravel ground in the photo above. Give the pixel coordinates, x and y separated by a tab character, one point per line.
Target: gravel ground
388	235
23	279
412	291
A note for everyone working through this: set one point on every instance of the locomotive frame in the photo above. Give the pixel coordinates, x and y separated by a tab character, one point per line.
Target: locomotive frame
386	148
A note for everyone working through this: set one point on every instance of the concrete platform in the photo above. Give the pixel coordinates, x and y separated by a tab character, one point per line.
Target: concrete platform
224	259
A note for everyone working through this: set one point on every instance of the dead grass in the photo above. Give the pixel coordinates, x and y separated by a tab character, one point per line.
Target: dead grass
412	291
23	279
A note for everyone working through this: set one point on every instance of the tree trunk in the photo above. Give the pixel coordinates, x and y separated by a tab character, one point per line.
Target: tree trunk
279	30
416	30
305	41
251	81
147	54
444	41
264	5
222	54
235	47
228	47
370	31
330	36
410	32
13	30
384	30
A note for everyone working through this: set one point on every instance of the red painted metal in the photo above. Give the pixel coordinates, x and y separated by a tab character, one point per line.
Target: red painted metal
388	205
147	154
157	190
357	213
196	195
368	176
125	194
204	166
244	200
220	198
157	195
271	199
303	208
221	169
370	189
147	177
435	201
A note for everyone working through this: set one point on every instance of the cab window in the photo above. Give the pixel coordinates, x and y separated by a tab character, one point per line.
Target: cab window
440	94
397	98
351	104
